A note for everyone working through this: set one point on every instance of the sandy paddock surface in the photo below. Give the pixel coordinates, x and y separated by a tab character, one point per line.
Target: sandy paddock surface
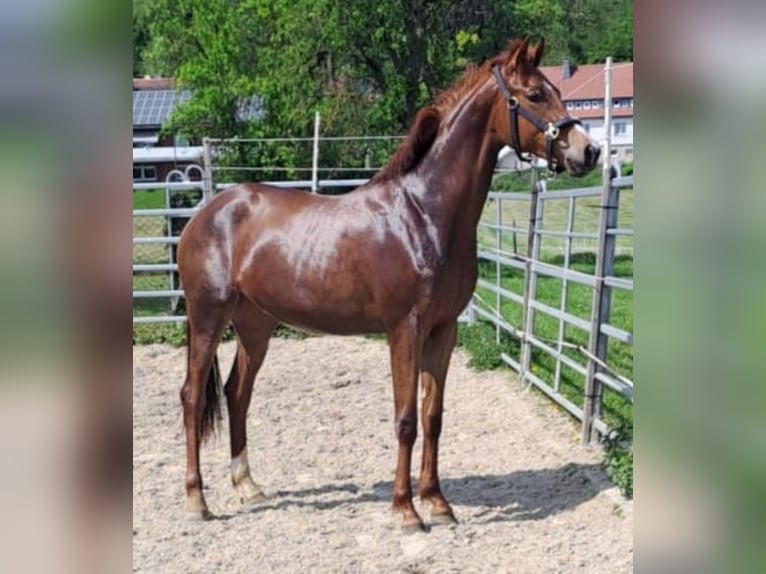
321	443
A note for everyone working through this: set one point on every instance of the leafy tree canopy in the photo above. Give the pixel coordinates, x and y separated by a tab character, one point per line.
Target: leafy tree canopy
366	65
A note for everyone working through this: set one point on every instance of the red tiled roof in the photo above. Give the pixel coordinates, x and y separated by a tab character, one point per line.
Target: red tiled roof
587	82
153	83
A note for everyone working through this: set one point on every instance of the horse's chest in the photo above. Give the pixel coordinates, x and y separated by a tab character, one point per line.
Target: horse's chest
450	290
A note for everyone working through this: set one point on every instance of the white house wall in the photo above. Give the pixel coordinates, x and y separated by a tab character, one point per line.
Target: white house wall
596	130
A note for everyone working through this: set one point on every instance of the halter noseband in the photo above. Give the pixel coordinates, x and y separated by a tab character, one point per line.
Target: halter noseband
552	130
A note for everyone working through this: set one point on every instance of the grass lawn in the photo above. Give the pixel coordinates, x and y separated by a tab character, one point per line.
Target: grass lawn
149	199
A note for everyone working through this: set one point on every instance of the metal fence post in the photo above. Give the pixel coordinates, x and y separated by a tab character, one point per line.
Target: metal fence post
207	168
602	294
533	250
498	268
315	156
601	309
471	311
564	290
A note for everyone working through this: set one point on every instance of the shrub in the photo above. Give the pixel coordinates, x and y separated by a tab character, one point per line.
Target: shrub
480	343
618	463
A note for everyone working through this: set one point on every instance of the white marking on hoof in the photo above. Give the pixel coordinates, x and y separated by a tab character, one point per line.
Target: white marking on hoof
248	490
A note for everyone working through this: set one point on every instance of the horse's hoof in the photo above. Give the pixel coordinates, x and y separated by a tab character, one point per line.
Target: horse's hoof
253	498
413	525
443	518
199	515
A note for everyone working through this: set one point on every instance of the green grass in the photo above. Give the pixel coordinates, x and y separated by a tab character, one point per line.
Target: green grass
149	199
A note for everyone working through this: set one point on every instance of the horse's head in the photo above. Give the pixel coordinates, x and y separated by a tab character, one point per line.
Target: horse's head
532	119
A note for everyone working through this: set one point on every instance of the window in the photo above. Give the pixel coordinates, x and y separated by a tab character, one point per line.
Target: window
586	105
578	105
596	104
620	128
570	105
144	173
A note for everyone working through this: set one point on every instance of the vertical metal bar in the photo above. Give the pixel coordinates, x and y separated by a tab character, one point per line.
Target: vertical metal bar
597	342
169	233
315	157
471	316
515	244
498	269
564	290
607	120
207	189
529	280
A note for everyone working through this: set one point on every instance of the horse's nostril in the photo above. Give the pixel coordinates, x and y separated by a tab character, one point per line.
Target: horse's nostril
591	154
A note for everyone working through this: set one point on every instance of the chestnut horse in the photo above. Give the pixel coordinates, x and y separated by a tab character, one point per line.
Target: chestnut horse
395	256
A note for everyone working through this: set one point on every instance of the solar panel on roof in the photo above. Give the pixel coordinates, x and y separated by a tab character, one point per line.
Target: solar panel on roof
153	107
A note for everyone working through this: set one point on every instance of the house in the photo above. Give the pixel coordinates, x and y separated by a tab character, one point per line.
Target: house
582	91
155	155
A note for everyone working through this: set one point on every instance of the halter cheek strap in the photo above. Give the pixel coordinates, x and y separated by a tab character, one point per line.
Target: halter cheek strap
552	130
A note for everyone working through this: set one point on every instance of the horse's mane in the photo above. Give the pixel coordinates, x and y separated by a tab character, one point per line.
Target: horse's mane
450	97
410	153
472	76
424	128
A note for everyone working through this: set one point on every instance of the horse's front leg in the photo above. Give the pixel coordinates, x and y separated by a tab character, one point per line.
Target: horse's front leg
437	350
405	355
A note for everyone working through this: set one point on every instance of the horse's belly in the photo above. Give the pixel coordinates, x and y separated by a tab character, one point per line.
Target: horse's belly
330	302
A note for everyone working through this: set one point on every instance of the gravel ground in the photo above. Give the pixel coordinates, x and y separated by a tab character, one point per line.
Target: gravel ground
321	442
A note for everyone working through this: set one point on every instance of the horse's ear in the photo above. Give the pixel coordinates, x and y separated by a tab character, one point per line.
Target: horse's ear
535	54
517	53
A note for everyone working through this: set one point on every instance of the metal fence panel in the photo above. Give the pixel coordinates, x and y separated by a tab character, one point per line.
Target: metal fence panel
586	360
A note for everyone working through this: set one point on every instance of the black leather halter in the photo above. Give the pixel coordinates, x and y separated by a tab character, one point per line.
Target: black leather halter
551	130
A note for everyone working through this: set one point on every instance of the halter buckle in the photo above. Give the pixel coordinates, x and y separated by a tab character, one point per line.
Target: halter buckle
552	132
513	102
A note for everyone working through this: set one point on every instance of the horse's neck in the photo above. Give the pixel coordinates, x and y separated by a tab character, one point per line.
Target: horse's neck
459	169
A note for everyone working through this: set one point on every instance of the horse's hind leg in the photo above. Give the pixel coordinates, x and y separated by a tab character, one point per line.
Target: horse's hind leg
253	329
437	350
200	392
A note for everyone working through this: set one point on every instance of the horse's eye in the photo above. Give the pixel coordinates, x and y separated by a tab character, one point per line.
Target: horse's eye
536	96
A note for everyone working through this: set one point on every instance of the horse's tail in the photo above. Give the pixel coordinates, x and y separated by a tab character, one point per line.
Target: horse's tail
211	415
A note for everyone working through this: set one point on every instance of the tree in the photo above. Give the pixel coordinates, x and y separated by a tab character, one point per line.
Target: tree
366	65
141	35
599	28
201	43
537	19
